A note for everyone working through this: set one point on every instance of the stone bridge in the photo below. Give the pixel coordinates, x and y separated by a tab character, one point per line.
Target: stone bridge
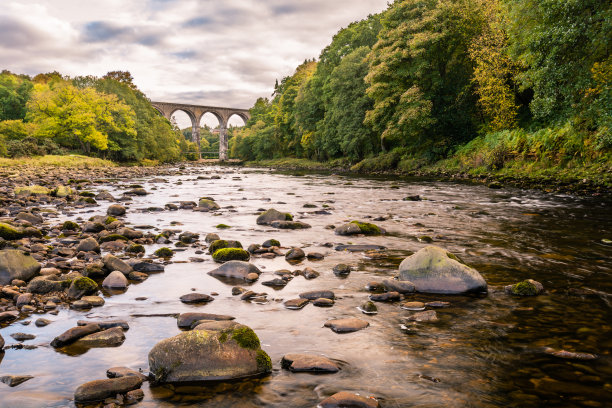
196	112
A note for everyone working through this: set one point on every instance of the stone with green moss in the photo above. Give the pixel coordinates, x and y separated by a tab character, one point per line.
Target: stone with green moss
270	243
109	220
70	226
112	237
164	253
527	287
367	228
32	190
135	249
231	254
222	226
86	194
207	204
62	191
82	286
271	215
9	233
209	355
221	243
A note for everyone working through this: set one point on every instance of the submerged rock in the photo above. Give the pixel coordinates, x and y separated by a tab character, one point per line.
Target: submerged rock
295	254
203	355
344	399
434	270
309	363
101	389
192	298
348	325
15	380
272	215
107	338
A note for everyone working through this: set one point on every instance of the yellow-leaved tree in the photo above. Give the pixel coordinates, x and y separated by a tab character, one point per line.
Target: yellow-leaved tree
76	117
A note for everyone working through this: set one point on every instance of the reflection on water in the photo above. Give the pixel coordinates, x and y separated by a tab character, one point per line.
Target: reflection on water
482	352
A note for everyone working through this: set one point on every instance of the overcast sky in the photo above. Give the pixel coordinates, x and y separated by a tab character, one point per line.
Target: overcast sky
209	52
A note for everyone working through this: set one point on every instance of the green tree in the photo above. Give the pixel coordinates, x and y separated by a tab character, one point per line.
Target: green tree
14	94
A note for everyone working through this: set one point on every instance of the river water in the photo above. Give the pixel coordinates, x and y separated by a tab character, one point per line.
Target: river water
486	351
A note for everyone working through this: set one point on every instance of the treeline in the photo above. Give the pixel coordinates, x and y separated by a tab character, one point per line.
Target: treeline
490	79
105	117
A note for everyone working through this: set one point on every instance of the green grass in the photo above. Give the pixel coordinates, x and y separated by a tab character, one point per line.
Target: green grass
72	161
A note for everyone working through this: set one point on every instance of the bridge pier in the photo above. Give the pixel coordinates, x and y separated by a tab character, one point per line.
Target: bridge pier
196	112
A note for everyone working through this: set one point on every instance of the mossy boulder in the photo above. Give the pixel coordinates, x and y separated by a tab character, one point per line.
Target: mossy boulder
135	249
527	287
61	191
70	226
231	254
9	233
221	243
271	215
14	264
270	243
164	253
82	286
435	270
209	355
357	227
112	237
32	190
208	204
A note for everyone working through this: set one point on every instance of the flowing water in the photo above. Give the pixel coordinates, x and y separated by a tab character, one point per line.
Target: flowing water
486	351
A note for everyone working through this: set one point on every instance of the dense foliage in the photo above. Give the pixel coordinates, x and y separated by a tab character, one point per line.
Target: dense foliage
107	117
429	79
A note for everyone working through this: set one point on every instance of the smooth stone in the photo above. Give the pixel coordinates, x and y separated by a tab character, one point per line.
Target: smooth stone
101	389
275	283
414	306
23	300
347	229
106	324
295	254
42	322
434	270
81	305
14	264
201	355
23	336
323	302
216	325
385	297
291	225
270	216
347	325
112	263
115	210
186	320
316	294
107	338
252	277
570	355
368	308
95	301
73	334
426	316
298	363
116	280
296	304
341	270
437	304
15	380
1	343
403	287
196	298
315	256
8	316
138	276
118	372
88	245
45	284
148	267
235	270
309	273
359	248
344	399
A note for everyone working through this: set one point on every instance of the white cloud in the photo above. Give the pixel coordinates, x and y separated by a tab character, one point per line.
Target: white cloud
194	51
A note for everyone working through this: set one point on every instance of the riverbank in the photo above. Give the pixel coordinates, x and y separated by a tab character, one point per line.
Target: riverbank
584	180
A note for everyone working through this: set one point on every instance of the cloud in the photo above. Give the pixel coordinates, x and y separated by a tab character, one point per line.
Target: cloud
208	52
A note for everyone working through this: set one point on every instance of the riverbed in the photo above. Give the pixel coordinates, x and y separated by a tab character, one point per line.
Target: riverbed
484	351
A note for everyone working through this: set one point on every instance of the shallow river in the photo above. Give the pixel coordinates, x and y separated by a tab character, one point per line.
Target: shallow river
483	352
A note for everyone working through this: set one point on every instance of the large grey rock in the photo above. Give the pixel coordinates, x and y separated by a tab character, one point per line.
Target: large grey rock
29	217
99	390
202	355
208	205
116	280
235	270
272	215
112	263
107	338
42	285
88	245
15	264
434	270
348	229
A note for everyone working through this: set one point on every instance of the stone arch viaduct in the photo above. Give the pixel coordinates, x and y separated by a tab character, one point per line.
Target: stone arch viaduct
196	112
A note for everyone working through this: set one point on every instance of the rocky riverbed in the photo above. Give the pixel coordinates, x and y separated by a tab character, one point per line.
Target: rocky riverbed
221	287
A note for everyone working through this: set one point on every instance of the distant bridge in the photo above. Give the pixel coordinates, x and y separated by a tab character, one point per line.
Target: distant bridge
196	112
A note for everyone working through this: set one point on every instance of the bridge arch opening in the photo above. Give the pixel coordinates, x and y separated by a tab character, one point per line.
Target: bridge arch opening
185	121
211	126
236	120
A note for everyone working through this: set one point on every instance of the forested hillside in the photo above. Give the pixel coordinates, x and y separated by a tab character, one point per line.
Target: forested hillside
520	85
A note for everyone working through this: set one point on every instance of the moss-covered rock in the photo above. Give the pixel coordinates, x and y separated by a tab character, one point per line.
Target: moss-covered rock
112	237
208	204
267	217
527	287
367	228
32	190
270	243
221	243
231	254
81	287
15	264
9	233
164	253
61	191
222	226
86	194
109	220
70	226
135	249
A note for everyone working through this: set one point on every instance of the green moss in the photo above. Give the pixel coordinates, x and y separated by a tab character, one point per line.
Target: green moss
88	200
86	284
109	220
216	245
87	194
246	338
288	217
9	233
222	226
71	226
112	237
223	336
231	254
164	252
264	363
524	288
367	228
272	242
61	191
135	249
454	257
32	190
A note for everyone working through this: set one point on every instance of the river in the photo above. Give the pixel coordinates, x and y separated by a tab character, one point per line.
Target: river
484	351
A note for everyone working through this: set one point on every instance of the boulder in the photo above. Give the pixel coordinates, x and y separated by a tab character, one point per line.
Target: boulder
72	335
99	390
42	285
403	287
107	338
116	280
271	215
231	254
434	270
81	287
208	205
291	225
33	219
295	254
116	210
235	270
344	399
528	287
88	245
112	263
308	363
14	264
202	355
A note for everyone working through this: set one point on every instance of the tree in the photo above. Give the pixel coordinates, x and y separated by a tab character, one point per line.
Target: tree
66	113
14	94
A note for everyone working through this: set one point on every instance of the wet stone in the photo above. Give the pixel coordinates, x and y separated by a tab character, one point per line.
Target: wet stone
275	283
427	316
106	324
346	399
309	363
296	304
348	325
72	335
385	297
309	273
341	270
186	320
403	287
99	390
23	336
317	294
192	298
42	322
323	302
437	304
107	338
413	306
368	308
15	380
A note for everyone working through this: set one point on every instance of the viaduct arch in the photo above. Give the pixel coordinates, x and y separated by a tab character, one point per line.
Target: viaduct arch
196	112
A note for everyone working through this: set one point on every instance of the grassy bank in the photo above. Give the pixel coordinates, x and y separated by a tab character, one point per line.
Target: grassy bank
71	161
